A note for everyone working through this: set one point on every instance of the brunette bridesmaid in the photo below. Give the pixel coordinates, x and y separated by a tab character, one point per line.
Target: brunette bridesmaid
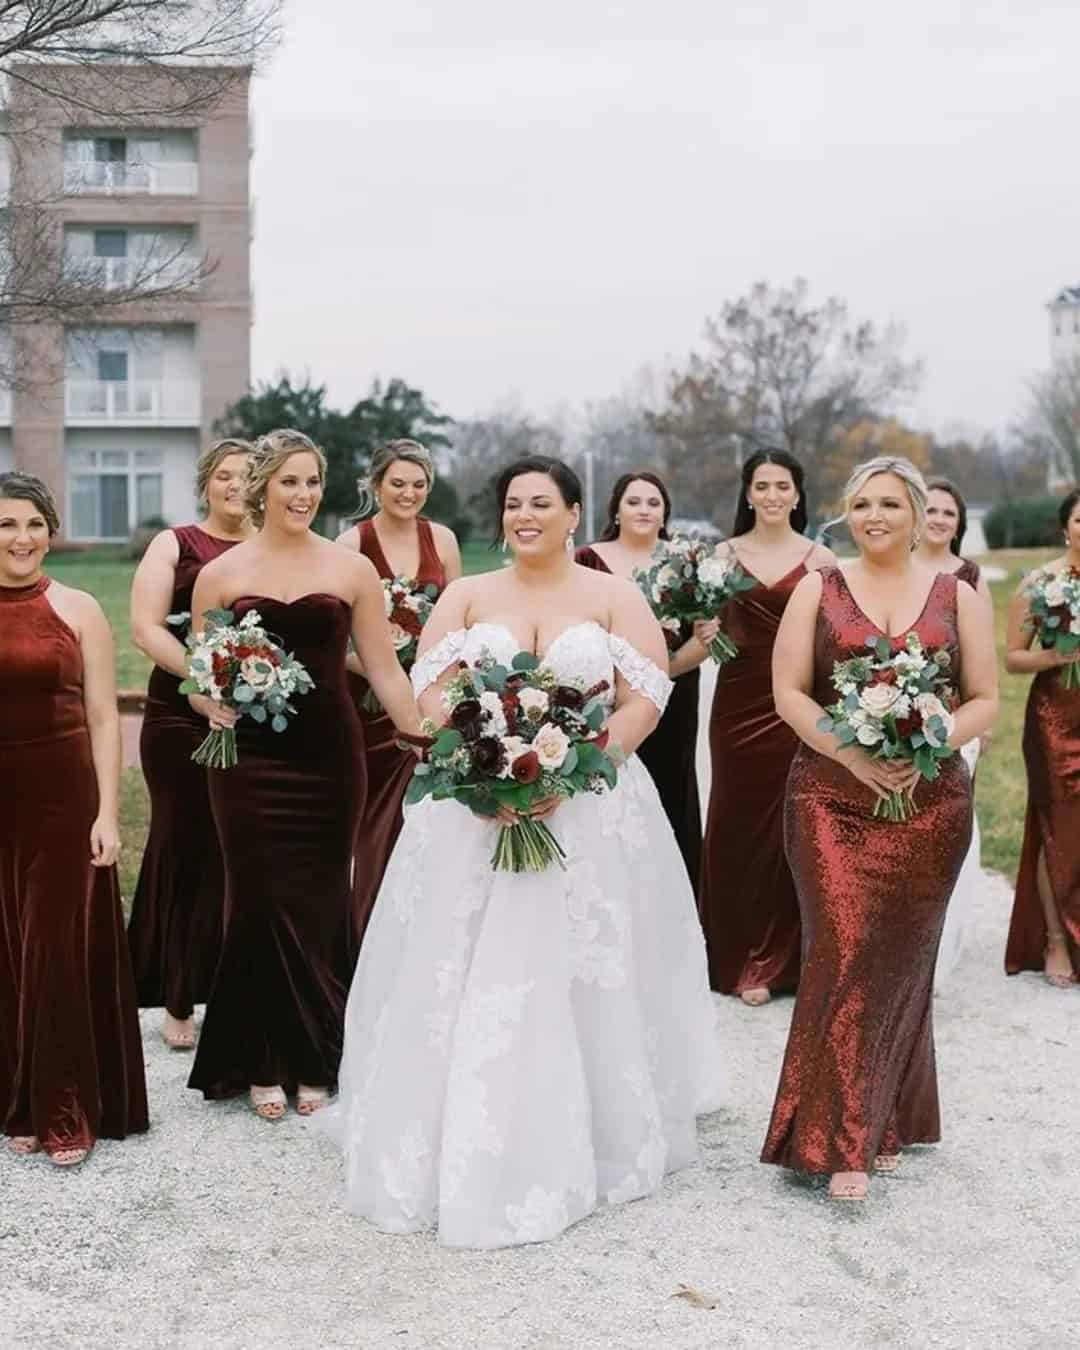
71	1066
747	897
399	542
859	1080
1045	930
637	518
287	813
176	917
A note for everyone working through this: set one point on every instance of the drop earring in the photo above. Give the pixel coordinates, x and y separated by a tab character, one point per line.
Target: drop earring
570	544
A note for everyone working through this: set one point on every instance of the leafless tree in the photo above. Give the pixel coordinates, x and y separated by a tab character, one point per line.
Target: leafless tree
481	447
1053	417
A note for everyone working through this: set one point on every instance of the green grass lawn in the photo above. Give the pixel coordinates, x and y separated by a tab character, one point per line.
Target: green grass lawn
1001	788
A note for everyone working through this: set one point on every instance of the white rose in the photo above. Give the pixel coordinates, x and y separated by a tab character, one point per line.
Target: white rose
491	703
868	735
551	745
514	747
399	637
667	577
534	703
713	571
257	673
1054	593
878	699
905	661
929	705
671	624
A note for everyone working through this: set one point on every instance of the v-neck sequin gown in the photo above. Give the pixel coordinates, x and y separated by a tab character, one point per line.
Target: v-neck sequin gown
859	1075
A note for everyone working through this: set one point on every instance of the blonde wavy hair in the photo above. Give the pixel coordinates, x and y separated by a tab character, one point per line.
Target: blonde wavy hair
914	485
404	448
207	465
268	454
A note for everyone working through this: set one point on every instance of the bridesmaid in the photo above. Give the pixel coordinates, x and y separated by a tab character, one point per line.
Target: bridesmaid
859	1081
946	525
1045	930
747	897
400	543
176	917
287	814
71	1067
637	518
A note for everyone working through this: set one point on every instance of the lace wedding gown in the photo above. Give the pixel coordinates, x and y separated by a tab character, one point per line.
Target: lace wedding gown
522	1048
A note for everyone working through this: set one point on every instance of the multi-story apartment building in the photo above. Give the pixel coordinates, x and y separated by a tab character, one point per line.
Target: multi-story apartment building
111	410
1064	312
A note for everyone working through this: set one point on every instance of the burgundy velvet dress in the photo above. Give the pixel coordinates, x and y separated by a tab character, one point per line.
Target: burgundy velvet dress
176	916
670	752
747	902
1052	826
389	769
71	1065
286	819
859	1076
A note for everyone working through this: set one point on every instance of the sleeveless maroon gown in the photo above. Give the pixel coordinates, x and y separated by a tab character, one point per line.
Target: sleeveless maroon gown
859	1076
176	916
670	753
749	911
286	818
71	1065
1052	825
389	769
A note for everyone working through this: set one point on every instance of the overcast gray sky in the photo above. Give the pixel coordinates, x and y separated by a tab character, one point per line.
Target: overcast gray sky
493	200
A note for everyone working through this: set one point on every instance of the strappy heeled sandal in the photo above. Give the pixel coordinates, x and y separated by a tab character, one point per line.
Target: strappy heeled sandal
67	1157
848	1186
268	1103
179	1040
311	1099
756	998
1056	980
24	1144
887	1162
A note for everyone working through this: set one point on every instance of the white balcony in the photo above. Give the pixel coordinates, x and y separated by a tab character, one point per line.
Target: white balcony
5	407
116	274
121	177
132	403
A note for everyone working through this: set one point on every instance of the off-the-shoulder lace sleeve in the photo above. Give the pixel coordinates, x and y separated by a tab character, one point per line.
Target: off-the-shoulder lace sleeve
427	669
641	674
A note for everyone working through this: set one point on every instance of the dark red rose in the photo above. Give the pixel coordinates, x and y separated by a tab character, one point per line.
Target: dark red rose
565	696
406	618
489	756
908	726
511	711
526	768
466	716
885	676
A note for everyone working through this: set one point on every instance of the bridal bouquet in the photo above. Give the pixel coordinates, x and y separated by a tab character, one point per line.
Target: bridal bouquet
896	705
514	737
239	665
408	607
689	580
1054	603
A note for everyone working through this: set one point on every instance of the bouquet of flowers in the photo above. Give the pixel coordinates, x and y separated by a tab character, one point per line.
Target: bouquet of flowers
689	580
1054	603
896	705
408	607
514	737
240	665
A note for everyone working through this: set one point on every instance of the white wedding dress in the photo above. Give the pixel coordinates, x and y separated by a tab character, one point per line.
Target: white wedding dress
522	1048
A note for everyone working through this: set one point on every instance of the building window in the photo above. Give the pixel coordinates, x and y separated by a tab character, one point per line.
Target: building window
112	491
112	365
110	243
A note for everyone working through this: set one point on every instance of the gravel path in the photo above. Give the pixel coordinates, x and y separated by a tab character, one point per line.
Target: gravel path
217	1232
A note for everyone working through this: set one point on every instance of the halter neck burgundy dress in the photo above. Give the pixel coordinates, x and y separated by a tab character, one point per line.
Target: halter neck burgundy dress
389	769
670	753
177	913
747	900
71	1065
286	818
859	1077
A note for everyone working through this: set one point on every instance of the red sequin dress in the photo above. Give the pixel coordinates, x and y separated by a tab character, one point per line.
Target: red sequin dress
1052	759
859	1076
176	915
71	1065
747	896
389	769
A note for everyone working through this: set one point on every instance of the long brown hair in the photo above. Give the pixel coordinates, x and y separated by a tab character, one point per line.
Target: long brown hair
611	524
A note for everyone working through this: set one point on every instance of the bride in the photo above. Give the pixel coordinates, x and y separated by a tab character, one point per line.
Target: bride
522	1048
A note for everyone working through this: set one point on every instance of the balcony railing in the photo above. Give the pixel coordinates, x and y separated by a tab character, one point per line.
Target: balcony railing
114	274
158	401
117	176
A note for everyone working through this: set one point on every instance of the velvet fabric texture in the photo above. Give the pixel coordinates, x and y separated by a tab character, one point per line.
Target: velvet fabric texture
389	768
71	1065
176	915
286	818
1052	825
670	752
859	1077
747	902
